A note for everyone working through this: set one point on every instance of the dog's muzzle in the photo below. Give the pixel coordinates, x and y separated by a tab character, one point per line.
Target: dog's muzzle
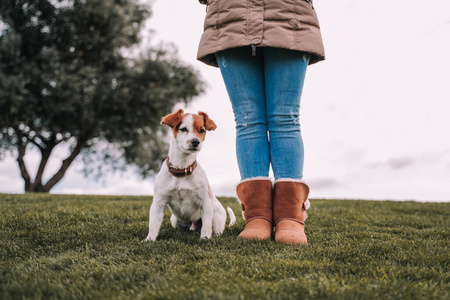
195	143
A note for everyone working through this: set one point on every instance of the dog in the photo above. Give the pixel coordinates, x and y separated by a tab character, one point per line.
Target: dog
182	184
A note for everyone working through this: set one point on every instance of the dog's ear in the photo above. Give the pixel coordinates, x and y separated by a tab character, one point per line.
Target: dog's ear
209	124
173	119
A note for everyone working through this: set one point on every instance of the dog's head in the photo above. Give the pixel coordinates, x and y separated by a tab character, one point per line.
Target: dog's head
189	130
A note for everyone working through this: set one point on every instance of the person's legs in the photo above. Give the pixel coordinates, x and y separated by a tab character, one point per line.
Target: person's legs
265	93
284	76
243	75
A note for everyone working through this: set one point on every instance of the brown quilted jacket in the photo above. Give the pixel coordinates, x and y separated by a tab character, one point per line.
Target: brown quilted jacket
289	24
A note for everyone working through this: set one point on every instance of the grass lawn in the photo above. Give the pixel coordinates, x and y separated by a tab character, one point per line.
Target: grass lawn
89	247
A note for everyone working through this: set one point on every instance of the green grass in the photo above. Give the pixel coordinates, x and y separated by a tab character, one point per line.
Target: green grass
89	247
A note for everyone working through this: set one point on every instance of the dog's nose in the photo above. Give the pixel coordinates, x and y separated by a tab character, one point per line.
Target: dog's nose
195	143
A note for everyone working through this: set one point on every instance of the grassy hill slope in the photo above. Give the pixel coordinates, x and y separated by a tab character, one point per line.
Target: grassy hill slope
89	247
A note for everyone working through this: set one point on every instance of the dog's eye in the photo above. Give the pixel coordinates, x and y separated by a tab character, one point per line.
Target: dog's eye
201	131
184	129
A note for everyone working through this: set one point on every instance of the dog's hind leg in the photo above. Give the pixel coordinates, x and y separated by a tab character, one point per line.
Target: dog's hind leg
174	221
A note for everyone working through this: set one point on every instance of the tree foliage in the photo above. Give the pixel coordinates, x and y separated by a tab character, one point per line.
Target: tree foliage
65	78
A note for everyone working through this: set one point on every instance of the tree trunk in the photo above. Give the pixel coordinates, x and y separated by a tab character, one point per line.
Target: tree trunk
22	147
36	186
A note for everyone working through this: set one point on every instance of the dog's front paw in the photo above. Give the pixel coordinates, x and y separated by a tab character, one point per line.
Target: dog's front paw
149	238
205	234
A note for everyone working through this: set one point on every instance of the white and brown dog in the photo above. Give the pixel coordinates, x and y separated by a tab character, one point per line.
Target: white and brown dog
182	184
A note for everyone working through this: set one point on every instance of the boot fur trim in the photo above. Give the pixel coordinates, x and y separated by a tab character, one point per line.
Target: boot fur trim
255	178
290	180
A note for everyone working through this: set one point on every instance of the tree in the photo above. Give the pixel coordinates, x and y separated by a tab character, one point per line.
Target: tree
65	78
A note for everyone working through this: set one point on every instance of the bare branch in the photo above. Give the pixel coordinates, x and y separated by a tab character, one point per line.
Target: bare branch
36	143
45	155
64	166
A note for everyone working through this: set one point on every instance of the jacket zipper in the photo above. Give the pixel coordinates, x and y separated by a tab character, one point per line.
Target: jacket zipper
253	50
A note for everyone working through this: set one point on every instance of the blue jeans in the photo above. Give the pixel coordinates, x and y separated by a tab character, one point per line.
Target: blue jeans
265	91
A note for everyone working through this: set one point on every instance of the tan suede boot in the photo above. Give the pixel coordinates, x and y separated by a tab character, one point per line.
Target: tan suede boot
289	212
255	195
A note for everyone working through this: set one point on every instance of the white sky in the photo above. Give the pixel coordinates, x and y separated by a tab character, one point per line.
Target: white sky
375	115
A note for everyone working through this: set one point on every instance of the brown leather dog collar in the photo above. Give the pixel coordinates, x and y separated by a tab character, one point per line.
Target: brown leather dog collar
180	172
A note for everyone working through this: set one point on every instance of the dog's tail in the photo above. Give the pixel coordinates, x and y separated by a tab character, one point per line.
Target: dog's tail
232	216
